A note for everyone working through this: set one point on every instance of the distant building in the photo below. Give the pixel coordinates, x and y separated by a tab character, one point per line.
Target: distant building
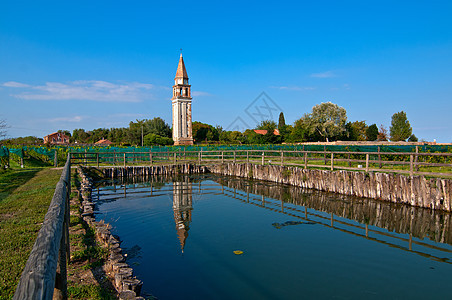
56	138
181	102
103	142
263	131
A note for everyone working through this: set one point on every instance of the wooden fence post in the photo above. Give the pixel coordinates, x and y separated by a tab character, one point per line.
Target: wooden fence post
263	158
55	158
199	158
324	154
97	159
235	155
85	156
124	159
222	157
247	156
367	162
114	157
416	159
379	157
332	161
411	164
175	159
349	161
306	160
150	157
282	158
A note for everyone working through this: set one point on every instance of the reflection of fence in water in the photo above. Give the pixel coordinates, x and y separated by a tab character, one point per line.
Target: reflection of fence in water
334	211
337	211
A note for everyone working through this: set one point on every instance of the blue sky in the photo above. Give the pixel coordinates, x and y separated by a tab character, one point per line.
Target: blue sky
92	64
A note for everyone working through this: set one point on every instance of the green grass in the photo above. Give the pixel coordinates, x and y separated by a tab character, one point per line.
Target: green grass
78	291
25	195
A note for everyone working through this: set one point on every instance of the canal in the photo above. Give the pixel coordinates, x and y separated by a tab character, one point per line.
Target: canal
180	234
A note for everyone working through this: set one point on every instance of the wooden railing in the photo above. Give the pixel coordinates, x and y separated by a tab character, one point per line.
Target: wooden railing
45	273
404	162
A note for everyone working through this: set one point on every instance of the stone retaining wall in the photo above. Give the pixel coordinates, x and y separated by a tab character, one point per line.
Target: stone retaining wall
119	272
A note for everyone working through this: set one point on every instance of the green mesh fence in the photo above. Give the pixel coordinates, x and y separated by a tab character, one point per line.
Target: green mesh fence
48	153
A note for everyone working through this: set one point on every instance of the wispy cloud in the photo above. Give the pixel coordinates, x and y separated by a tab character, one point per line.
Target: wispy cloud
294	88
74	119
91	90
15	84
327	74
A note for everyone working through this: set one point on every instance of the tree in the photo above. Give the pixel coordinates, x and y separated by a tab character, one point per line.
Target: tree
382	134
80	136
372	132
157	126
204	132
300	131
155	139
412	138
400	128
327	119
281	122
268	125
356	131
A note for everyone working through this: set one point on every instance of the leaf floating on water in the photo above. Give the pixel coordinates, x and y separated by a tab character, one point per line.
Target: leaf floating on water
238	252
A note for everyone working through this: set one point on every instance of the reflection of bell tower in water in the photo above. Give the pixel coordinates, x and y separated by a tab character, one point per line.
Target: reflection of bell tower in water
182	207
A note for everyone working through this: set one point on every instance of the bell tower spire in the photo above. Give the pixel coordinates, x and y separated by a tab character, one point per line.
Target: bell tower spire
182	125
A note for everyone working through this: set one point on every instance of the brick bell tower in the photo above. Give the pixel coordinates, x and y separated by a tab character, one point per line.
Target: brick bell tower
182	132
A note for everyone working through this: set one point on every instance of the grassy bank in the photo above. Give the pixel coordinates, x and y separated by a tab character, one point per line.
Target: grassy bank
25	196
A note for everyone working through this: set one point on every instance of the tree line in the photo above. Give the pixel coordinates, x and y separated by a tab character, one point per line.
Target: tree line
326	122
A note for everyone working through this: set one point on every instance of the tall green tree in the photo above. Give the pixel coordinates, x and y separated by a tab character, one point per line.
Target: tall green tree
281	121
372	132
400	129
326	119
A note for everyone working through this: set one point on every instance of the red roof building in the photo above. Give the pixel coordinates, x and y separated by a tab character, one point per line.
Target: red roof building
263	131
103	142
56	138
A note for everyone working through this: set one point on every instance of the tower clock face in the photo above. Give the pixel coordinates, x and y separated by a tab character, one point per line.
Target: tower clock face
179	81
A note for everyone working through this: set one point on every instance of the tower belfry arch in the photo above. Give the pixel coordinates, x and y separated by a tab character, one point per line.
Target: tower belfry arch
181	103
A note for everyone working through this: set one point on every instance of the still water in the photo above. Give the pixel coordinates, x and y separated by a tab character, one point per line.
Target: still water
180	235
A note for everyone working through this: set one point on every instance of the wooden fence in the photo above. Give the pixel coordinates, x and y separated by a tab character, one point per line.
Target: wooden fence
45	273
412	163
